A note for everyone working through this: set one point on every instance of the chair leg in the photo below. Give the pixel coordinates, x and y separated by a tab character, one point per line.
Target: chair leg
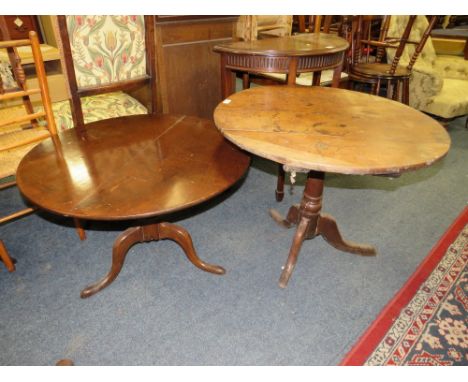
79	229
5	258
377	88
245	81
405	91
389	89
396	91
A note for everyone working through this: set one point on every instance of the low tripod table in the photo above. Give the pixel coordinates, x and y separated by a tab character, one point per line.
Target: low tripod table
321	130
140	168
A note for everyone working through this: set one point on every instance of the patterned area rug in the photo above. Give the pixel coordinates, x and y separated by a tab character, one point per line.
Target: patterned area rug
426	323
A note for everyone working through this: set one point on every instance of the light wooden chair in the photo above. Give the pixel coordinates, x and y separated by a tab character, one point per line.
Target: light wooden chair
21	131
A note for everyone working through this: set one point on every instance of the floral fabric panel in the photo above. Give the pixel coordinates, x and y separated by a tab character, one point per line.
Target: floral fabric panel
95	108
107	49
8	80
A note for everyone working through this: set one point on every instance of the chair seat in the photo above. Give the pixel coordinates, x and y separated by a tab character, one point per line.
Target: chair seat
382	71
451	101
305	79
97	107
103	106
9	159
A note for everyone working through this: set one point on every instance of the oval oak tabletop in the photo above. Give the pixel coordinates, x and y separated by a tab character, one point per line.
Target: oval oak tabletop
131	167
331	130
306	44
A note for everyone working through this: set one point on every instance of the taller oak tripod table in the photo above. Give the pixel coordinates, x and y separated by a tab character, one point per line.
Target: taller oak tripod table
141	168
328	130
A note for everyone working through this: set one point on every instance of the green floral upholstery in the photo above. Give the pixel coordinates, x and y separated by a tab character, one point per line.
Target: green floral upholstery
6	74
439	84
97	107
107	49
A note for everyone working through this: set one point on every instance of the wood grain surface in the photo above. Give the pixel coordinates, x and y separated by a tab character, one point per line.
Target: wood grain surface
131	167
298	45
331	130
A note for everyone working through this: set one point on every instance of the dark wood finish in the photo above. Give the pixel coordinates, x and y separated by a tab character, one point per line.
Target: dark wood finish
187	68
142	166
146	233
77	92
312	52
12	31
290	54
311	223
322	130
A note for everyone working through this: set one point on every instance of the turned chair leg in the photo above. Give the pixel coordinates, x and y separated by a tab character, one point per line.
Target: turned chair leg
6	259
405	91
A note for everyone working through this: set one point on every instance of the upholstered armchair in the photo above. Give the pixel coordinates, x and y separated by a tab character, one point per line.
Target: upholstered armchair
439	83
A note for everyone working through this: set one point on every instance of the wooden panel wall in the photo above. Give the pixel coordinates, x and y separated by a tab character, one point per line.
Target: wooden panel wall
188	71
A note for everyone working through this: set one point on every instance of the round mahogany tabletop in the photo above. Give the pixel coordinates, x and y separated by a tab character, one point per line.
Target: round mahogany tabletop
131	167
331	130
310	44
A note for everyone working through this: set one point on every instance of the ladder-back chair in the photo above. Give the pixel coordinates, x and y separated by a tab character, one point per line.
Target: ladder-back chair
19	132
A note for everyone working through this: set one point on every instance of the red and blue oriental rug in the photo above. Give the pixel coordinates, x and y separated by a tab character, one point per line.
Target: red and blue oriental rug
426	323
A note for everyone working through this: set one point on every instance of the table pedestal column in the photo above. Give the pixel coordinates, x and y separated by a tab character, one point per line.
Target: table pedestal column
146	233
310	223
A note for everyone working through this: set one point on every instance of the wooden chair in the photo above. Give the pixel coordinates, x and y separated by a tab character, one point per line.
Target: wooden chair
367	54
439	81
19	133
317	23
104	58
105	54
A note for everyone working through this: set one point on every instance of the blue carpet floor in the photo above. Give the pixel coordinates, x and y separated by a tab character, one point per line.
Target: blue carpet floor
161	310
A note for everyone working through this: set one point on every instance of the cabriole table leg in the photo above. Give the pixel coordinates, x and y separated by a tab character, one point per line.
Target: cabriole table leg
146	233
